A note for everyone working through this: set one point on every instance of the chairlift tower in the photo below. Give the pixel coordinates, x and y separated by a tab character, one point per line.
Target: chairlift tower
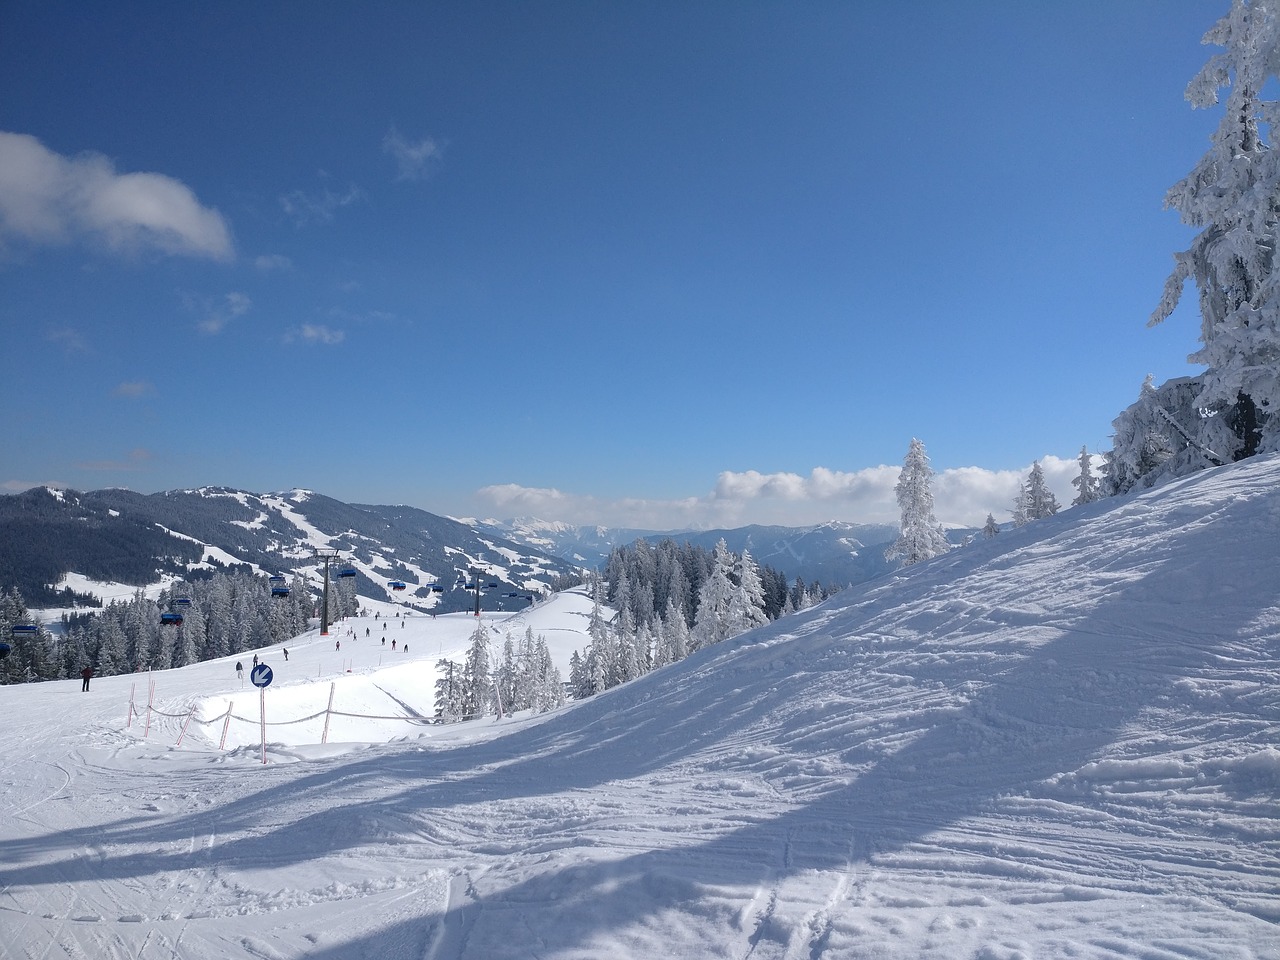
475	579
328	555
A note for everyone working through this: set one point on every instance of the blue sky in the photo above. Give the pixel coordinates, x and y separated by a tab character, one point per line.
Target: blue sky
643	264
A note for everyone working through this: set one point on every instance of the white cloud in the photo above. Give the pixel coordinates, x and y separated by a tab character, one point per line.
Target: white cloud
218	315
414	161
306	209
963	496
133	389
70	339
272	261
48	198
315	333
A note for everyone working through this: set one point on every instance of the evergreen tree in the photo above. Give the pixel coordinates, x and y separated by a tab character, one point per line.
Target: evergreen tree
920	537
111	657
476	695
449	706
712	625
191	637
1040	500
746	605
992	528
1086	484
1233	196
548	687
579	679
673	636
506	680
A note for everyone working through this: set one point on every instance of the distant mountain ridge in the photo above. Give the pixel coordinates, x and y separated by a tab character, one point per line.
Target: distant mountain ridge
120	536
835	553
117	535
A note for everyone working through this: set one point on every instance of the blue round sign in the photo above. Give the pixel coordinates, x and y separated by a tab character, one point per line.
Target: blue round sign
260	676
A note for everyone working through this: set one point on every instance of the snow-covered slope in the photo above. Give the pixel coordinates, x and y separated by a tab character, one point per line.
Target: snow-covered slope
1058	743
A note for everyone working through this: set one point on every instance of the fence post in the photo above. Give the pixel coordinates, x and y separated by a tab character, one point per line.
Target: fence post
151	695
185	724
129	721
262	712
324	737
222	744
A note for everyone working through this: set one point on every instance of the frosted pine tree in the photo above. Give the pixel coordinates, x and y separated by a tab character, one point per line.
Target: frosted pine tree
1021	506
746	605
449	691
1233	196
191	637
476	697
1086	484
1041	502
579	679
711	625
992	528
920	536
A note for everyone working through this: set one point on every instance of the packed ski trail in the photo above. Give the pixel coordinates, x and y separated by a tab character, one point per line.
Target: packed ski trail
1060	742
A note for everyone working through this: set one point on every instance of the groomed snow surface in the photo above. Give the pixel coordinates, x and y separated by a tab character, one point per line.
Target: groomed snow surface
1058	743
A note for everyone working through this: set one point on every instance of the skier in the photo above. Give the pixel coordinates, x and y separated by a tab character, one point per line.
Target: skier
337	644
87	673
286	654
366	631
393	644
255	659
240	671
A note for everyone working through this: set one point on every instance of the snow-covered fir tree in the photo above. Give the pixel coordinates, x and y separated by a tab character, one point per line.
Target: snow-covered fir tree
1040	500
746	604
712	623
673	637
920	535
476	696
992	528
449	707
1231	410
1086	484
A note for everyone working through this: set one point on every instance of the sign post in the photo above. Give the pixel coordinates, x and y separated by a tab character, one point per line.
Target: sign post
260	677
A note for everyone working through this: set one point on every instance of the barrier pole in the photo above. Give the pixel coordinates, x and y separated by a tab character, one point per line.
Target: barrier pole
262	712
222	744
129	721
324	737
185	723
151	695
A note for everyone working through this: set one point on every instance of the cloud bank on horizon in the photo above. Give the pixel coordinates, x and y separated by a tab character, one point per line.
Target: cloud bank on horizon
963	496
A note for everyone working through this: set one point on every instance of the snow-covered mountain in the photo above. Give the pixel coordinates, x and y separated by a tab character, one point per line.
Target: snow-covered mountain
583	546
835	554
1059	742
125	537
